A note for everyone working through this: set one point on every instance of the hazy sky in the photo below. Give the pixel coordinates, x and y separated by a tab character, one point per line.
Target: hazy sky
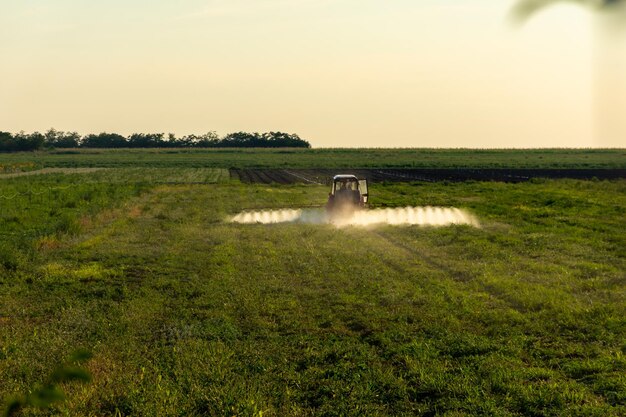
387	73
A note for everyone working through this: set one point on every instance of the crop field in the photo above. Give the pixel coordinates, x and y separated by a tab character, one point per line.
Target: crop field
321	158
185	312
324	176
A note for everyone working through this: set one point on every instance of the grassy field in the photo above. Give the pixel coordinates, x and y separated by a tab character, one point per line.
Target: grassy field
188	314
323	158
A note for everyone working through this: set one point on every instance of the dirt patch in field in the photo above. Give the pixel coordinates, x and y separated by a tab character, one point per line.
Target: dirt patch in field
324	176
51	171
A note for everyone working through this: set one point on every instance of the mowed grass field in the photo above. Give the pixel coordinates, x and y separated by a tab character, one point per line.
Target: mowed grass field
188	314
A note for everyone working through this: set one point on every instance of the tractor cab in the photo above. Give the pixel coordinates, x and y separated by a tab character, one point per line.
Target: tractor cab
347	193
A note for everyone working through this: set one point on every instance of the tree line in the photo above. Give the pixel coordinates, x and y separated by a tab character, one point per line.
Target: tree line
21	141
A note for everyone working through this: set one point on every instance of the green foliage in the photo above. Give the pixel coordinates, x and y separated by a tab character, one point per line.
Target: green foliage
56	139
104	140
45	395
20	142
265	140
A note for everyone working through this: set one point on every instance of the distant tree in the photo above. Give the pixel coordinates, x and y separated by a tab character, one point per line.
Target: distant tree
172	141
241	140
56	139
51	136
207	140
146	140
104	140
187	141
7	143
28	142
280	140
68	140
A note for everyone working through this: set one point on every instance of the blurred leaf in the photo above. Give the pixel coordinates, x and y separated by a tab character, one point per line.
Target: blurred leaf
70	373
81	355
45	396
525	9
13	407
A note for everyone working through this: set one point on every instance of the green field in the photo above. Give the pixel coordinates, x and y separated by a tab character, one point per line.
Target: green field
185	313
324	158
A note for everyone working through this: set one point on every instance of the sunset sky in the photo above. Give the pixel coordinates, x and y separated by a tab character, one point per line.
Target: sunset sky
348	73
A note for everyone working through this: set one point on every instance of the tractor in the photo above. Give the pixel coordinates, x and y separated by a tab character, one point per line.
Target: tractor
347	194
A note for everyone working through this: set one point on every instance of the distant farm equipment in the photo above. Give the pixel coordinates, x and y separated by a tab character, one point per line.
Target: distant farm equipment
347	194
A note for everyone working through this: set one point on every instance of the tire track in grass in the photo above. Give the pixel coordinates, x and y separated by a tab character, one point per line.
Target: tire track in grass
460	276
506	299
525	315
